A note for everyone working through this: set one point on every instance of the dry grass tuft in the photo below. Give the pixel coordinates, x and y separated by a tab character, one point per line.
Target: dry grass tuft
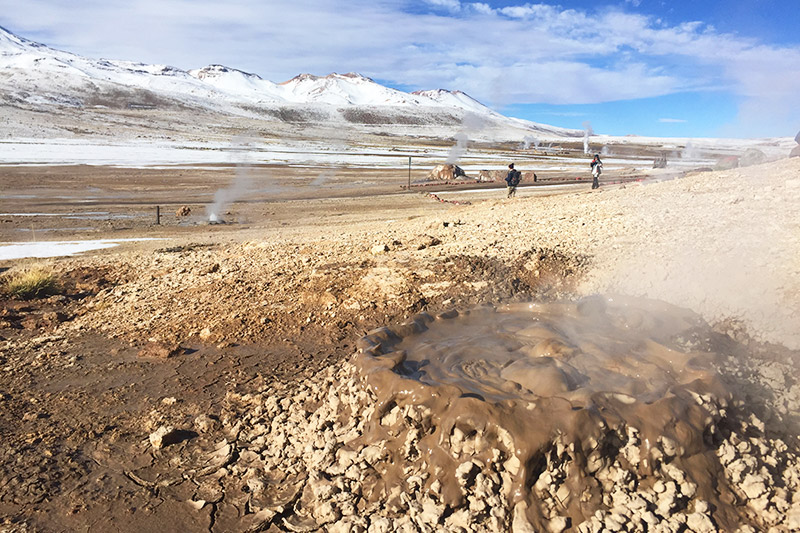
35	282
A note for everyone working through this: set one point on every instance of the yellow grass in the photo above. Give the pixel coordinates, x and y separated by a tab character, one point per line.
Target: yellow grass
35	282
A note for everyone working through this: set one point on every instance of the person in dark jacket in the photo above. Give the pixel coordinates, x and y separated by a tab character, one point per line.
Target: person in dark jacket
597	169
512	180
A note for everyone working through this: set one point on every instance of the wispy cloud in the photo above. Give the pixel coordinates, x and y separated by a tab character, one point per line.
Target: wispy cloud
525	53
672	120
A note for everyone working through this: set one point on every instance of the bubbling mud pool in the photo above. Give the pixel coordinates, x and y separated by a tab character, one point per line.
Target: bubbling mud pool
560	399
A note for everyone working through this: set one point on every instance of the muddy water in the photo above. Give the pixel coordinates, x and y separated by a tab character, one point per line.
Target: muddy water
603	382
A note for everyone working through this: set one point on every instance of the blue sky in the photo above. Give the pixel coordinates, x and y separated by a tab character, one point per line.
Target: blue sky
700	68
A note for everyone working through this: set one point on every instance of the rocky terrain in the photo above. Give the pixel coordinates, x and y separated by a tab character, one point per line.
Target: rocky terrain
214	381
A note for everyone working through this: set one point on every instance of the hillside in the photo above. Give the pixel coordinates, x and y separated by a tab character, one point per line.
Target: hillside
35	78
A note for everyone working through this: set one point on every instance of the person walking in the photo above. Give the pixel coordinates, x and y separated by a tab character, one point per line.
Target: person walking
512	180
597	169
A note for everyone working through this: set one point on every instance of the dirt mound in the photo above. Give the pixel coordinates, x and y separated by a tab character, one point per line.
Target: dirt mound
569	413
447	172
379	446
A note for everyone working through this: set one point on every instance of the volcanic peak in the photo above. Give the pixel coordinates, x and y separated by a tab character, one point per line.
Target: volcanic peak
305	77
215	71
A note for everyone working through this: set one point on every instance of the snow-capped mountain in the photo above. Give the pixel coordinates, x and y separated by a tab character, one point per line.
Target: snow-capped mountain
454	99
344	89
32	74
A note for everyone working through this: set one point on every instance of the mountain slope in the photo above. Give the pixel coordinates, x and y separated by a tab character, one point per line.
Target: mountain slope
35	76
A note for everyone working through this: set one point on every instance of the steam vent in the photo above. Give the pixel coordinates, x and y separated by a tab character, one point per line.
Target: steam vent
556	417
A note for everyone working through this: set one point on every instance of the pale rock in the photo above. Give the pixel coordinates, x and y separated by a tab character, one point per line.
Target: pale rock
163	436
257	521
321	487
665	504
519	522
196	504
557	525
753	486
346	457
414	482
458	520
760	505
221	455
670	447
700	523
562	494
431	512
477	506
595	462
688	489
513	465
342	526
392	417
650	518
325	513
466	472
248	456
615	519
793	518
256	485
637	503
353	472
347	508
674	472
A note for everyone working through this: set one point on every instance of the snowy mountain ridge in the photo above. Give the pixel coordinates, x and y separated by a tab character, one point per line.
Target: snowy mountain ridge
35	74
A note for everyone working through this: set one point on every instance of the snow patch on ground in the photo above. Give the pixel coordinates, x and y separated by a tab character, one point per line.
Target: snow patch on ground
21	250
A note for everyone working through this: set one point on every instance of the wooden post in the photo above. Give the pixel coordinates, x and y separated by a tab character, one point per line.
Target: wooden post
158	215
409	173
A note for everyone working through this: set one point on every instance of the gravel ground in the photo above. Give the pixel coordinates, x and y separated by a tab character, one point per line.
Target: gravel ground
117	417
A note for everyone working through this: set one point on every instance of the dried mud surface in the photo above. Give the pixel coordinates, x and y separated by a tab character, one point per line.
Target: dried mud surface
205	382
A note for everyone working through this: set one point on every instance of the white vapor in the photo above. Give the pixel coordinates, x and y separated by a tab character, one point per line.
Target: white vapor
471	123
240	185
587	132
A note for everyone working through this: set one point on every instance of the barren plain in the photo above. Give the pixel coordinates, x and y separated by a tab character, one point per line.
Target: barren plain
230	377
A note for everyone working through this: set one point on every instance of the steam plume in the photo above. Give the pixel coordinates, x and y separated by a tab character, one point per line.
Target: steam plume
587	131
528	141
471	123
459	149
240	185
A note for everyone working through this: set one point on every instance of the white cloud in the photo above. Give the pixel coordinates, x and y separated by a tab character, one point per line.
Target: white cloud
672	120
452	5
525	53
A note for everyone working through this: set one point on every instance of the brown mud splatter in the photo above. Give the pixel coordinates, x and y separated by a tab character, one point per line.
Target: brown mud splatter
600	382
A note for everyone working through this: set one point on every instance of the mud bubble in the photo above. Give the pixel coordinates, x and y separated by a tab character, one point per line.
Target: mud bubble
559	401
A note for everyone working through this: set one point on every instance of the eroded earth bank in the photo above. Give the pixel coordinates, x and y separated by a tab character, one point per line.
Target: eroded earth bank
620	360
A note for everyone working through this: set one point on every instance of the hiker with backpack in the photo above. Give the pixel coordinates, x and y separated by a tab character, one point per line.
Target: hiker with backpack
597	168
512	180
